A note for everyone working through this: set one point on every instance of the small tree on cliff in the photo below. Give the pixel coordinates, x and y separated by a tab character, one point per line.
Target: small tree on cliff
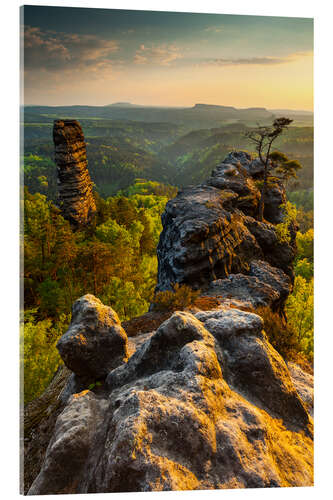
263	138
285	167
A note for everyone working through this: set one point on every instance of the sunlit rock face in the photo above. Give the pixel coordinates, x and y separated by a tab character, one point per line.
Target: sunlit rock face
95	342
75	187
205	402
211	231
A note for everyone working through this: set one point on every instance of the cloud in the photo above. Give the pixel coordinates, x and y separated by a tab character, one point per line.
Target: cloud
51	51
161	55
260	61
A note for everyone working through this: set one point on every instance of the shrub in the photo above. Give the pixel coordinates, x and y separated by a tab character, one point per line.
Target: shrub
305	245
283	229
280	334
299	309
292	339
304	268
179	298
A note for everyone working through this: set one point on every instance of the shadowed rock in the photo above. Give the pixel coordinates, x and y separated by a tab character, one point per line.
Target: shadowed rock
76	200
210	231
201	240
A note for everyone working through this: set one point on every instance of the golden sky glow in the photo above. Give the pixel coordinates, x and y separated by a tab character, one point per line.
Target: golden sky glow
166	59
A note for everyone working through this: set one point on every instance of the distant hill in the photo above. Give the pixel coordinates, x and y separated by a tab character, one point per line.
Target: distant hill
292	112
213	107
123	105
197	117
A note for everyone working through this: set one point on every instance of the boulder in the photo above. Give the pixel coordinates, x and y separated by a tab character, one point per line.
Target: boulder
95	342
253	166
69	447
253	366
303	383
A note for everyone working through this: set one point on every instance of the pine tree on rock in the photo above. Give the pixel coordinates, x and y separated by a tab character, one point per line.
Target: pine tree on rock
263	138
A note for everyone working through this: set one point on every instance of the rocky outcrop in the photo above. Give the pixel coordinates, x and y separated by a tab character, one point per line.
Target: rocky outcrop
95	341
76	200
204	402
210	233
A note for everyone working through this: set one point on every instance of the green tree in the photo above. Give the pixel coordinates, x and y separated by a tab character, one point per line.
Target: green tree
284	167
125	298
263	138
39	355
49	248
305	245
97	263
299	309
304	268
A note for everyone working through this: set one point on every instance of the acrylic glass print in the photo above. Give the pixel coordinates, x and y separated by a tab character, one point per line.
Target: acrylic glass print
167	334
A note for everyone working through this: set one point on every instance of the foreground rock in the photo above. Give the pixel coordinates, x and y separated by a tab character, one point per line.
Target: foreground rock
205	402
38	421
210	231
95	342
76	200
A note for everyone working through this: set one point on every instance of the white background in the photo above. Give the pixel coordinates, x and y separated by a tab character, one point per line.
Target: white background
9	231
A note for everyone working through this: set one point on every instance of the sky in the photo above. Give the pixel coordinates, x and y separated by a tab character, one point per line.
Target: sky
78	56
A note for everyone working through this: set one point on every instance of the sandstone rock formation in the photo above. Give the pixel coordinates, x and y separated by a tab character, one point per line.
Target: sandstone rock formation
75	187
95	342
205	402
210	232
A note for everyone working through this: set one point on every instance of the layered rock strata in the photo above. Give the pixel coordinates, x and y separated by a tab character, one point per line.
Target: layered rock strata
211	232
75	187
204	402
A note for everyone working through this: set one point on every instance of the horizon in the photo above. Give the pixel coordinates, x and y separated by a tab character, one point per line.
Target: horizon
165	59
161	106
